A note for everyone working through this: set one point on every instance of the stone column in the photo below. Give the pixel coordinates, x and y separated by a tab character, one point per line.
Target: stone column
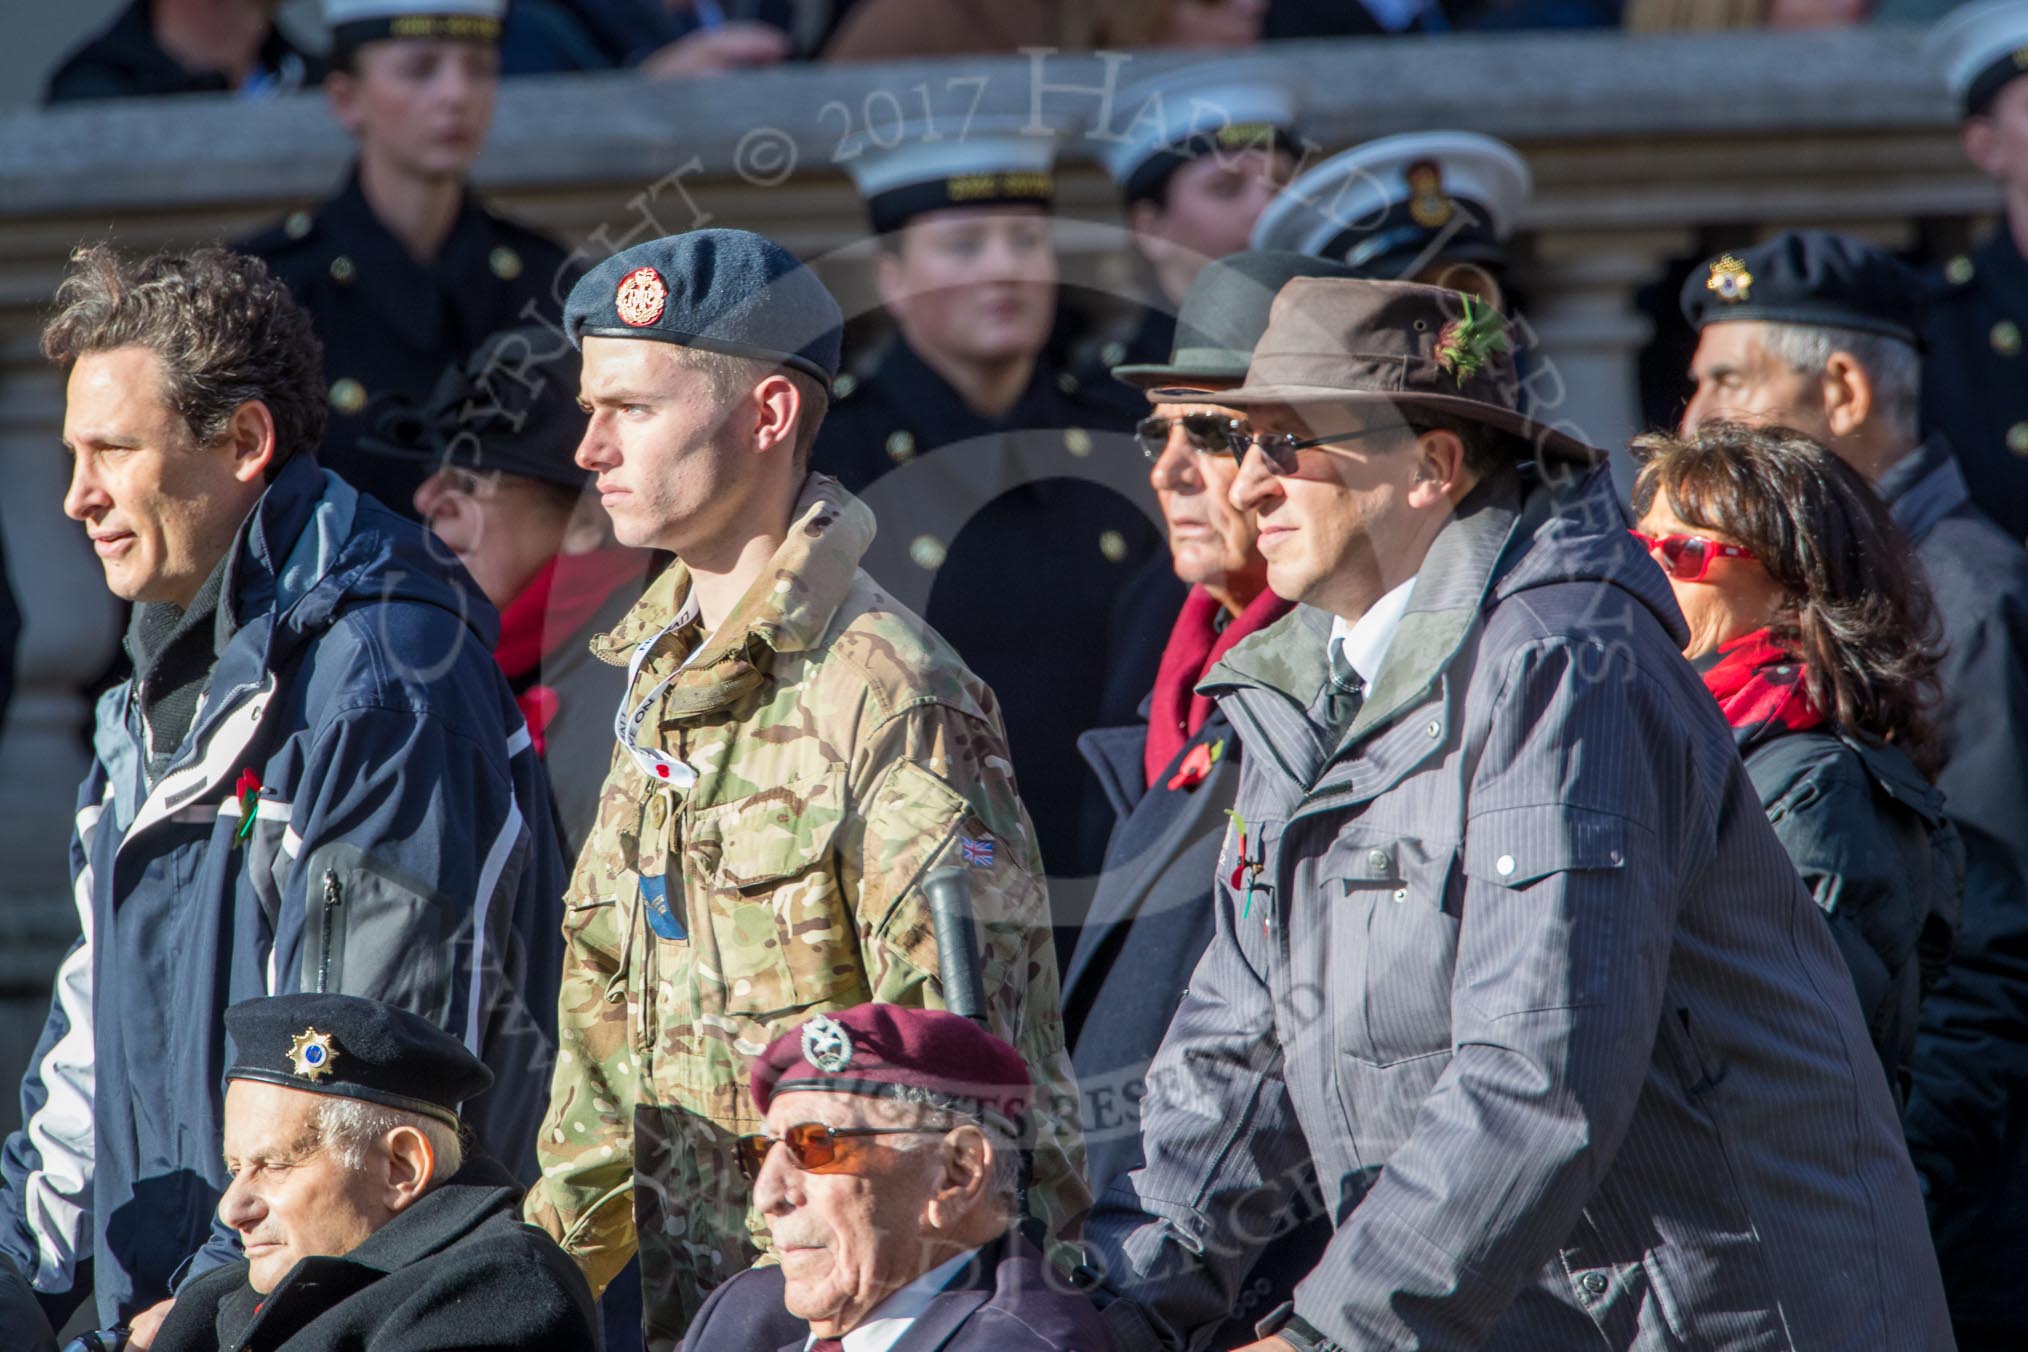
1586	334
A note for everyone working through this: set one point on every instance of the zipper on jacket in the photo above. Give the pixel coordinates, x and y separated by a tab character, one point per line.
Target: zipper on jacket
327	923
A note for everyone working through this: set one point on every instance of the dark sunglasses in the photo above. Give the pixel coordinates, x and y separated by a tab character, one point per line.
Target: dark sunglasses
812	1145
1207	432
1279	448
1687	558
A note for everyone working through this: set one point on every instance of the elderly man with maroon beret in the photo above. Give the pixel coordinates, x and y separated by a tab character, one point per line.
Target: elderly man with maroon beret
889	1175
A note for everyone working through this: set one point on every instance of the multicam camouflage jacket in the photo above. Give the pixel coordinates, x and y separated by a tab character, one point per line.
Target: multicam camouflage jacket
758	859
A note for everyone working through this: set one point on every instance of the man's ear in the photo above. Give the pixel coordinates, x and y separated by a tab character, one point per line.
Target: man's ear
411	1160
965	1172
777	411
1848	394
250	432
1439	473
1982	146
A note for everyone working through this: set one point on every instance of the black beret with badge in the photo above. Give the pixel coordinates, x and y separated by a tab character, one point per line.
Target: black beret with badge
728	291
1981	49
1205	108
1810	277
351	1047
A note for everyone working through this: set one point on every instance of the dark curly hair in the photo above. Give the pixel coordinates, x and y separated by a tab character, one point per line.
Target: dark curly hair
226	332
1858	613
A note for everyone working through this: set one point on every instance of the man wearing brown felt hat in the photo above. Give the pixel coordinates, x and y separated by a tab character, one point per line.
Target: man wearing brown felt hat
1508	963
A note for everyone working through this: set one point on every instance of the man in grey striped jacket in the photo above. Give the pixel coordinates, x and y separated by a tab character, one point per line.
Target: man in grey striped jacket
1509	965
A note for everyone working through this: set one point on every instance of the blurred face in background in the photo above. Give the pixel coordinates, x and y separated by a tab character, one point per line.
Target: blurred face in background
1739	380
503	527
1996	141
420	108
1207	210
971	284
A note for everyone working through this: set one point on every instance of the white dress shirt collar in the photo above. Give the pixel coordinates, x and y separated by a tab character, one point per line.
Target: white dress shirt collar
1365	640
883	1328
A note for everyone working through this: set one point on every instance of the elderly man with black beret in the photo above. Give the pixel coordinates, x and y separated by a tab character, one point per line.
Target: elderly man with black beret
888	1171
365	1224
1818	332
797	753
1507	958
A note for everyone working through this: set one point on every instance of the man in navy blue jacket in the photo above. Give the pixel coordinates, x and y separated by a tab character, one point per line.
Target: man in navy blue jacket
315	780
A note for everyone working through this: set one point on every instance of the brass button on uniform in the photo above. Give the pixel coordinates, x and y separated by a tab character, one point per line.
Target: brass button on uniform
2017	438
1077	440
842	387
1113	545
348	396
2006	337
506	264
1113	353
927	551
297	225
1066	382
342	270
901	446
1959	270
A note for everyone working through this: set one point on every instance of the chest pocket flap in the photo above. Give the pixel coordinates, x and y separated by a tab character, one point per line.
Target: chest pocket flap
1545	917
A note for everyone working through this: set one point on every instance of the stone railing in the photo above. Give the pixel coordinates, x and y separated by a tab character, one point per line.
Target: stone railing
1638	145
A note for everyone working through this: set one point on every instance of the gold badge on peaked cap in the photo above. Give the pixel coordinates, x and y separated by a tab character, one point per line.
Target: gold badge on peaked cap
826	1045
1729	280
310	1054
1429	206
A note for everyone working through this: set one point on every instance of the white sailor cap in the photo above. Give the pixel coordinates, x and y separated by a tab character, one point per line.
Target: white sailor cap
354	22
1389	205
952	162
1160	124
1980	48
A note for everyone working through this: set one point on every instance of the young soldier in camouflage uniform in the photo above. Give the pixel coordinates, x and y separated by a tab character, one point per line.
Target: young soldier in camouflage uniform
795	754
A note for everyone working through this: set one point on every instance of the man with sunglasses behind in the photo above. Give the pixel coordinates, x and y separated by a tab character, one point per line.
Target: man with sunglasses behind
1509	964
888	1172
1817	332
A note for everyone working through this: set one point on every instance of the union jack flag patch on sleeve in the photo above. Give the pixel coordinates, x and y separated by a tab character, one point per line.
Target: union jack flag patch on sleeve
977	853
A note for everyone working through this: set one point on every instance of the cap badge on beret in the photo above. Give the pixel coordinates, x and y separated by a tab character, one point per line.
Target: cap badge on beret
640	297
311	1053
1429	206
826	1045
1729	280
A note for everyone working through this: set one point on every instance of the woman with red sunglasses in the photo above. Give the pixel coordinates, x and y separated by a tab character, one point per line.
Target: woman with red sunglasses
1816	634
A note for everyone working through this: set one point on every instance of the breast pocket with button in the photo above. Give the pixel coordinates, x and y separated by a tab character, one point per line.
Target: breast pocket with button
768	885
1393	944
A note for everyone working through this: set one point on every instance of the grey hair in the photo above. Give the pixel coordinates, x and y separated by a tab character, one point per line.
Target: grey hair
349	1128
1894	366
948	1113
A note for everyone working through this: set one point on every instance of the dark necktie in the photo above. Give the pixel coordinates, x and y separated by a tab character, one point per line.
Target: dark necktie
1344	692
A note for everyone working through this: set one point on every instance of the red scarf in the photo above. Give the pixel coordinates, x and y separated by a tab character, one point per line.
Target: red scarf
1760	687
557	602
1195	644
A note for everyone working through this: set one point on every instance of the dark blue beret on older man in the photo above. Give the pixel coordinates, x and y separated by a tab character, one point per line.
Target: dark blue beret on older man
729	291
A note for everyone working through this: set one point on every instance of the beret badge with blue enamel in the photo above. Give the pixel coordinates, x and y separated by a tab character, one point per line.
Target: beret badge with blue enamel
310	1054
1729	280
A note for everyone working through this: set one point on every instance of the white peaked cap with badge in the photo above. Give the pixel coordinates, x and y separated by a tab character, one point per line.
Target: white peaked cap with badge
360	11
1352	205
1229	104
952	161
1980	48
